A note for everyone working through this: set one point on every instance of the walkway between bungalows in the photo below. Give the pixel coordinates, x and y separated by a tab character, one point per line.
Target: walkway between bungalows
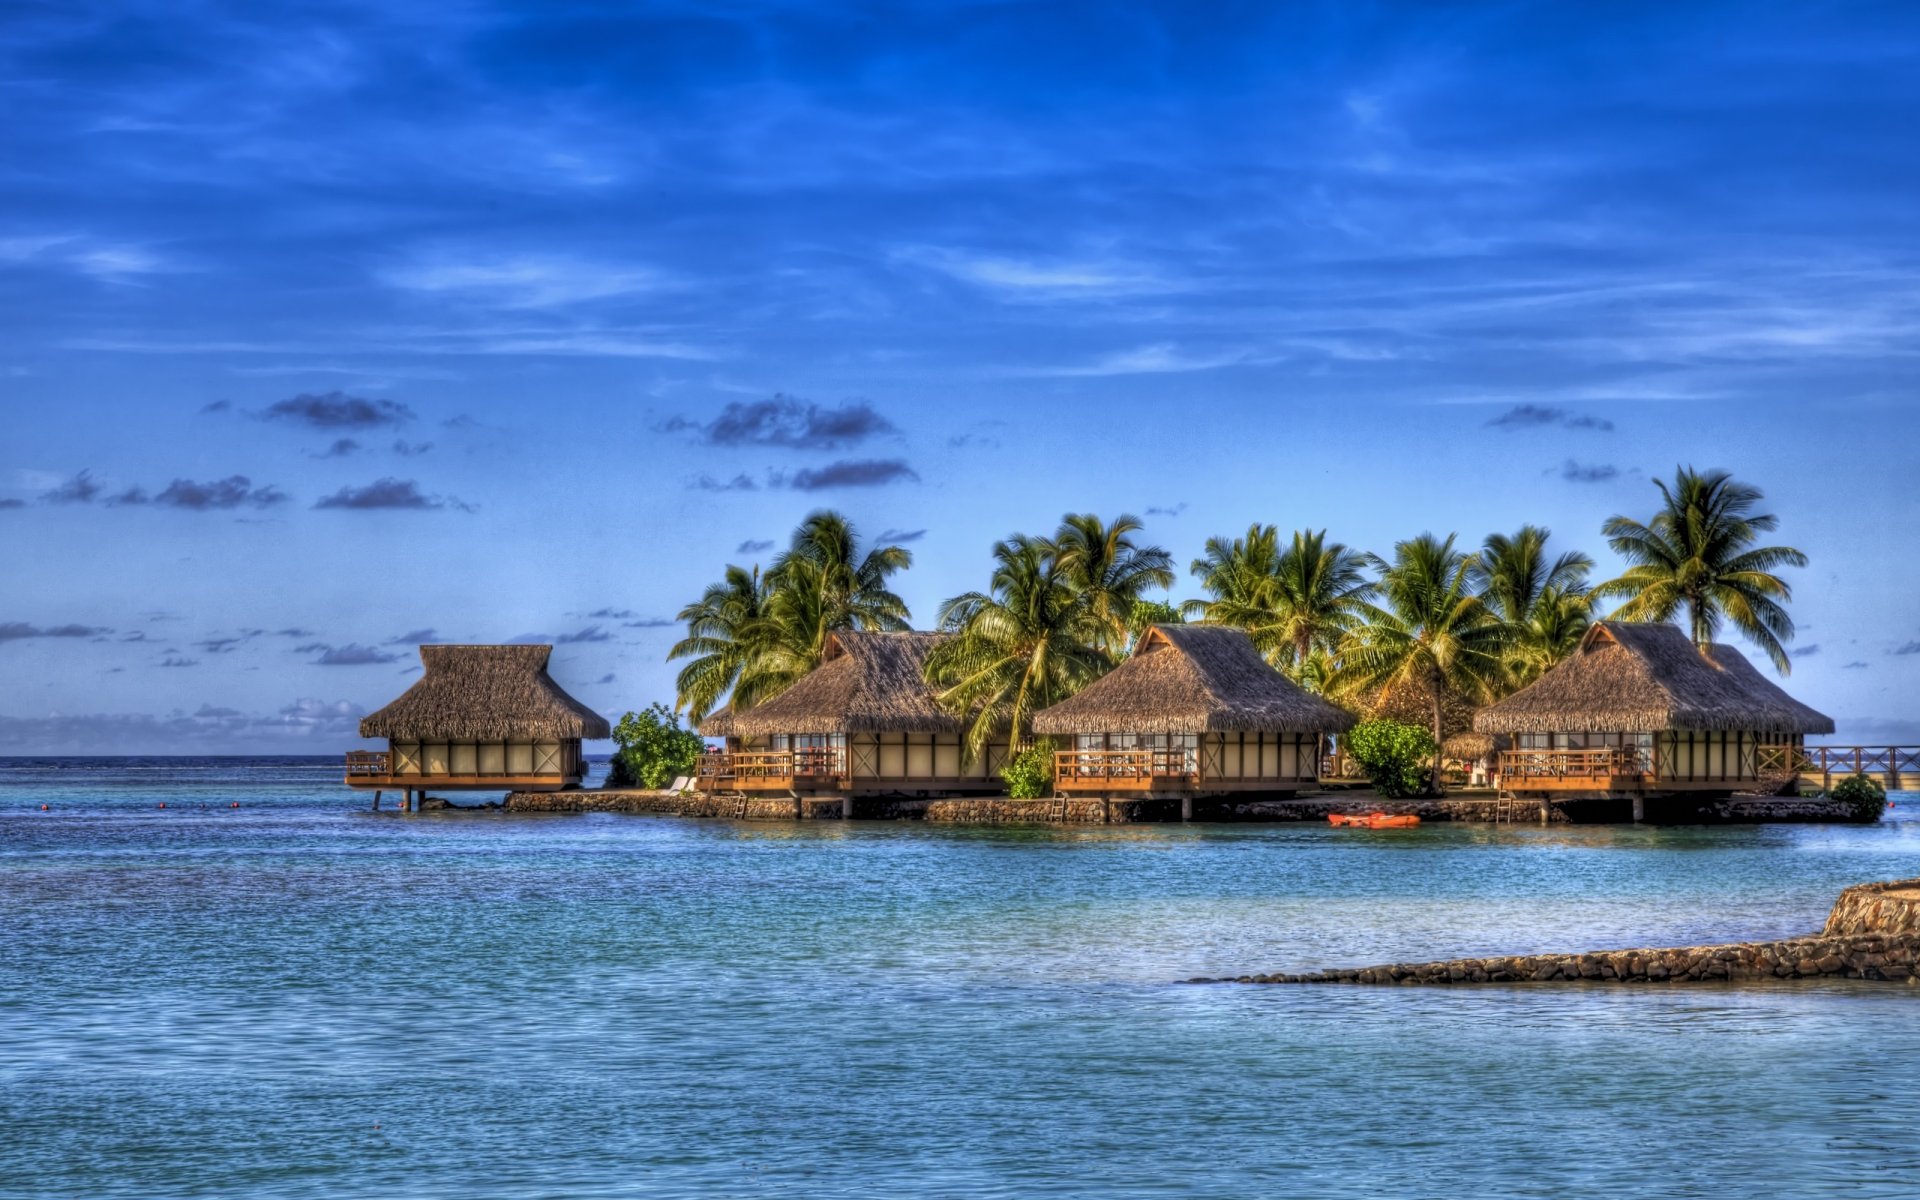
1895	768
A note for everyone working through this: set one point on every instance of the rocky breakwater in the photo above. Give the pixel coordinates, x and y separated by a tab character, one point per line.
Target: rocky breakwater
1873	933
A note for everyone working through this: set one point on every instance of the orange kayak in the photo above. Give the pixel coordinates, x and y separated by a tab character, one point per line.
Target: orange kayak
1376	820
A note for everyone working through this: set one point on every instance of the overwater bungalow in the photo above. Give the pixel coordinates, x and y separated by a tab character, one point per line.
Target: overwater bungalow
1639	710
480	718
865	722
1194	711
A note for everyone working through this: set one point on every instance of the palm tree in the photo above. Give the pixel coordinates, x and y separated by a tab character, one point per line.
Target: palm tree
1024	645
1104	564
1544	601
1431	632
751	636
728	629
825	584
1238	574
1697	554
1293	602
1553	629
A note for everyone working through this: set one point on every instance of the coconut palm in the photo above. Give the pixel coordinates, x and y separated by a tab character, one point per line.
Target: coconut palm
728	628
751	636
1106	565
1292	601
827	584
1430	632
1697	555
1024	645
1555	624
1543	600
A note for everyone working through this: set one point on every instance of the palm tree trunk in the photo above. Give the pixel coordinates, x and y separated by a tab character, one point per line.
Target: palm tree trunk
1434	785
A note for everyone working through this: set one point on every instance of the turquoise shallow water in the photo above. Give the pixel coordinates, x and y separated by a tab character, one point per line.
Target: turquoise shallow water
293	998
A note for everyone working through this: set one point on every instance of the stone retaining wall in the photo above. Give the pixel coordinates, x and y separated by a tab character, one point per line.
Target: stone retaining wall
1890	908
1861	956
999	810
1873	932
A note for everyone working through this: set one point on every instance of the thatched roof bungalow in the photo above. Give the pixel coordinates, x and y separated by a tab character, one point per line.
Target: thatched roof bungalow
865	721
1193	710
1639	708
479	718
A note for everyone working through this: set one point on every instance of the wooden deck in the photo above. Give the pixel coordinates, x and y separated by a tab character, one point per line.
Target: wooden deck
372	771
1153	772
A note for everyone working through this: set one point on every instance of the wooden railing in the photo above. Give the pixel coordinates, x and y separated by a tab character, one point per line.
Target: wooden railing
1120	766
1604	763
367	762
1839	760
748	766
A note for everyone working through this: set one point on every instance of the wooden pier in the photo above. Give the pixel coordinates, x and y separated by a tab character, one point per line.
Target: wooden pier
1895	768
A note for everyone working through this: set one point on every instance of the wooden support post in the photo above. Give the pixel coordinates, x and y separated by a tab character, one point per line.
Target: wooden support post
1186	808
1639	809
846	808
1546	810
376	801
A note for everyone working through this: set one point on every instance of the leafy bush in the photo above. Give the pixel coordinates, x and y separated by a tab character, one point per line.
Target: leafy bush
1865	799
1029	774
1396	756
650	749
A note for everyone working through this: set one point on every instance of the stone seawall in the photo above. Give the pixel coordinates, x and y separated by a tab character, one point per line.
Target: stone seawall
999	810
1873	932
1860	956
1890	908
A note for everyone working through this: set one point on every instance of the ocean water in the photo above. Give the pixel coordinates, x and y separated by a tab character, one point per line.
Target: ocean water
296	998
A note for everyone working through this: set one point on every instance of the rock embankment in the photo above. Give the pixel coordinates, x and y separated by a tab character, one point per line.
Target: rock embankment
1873	932
1890	908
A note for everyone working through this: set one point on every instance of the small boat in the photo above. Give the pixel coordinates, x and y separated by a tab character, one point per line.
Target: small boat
1375	820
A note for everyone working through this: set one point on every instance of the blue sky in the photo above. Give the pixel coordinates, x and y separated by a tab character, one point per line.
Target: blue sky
331	328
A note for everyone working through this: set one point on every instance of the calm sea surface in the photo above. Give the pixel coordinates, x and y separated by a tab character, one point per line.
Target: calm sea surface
295	998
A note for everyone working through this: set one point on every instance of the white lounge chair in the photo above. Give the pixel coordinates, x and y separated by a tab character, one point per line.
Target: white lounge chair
681	784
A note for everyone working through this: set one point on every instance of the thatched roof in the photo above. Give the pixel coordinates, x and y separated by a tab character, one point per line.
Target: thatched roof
1193	679
865	683
1410	700
1467	747
1642	678
718	724
485	694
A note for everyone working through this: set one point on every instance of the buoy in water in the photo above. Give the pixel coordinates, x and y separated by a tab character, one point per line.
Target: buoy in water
43	808
235	804
162	804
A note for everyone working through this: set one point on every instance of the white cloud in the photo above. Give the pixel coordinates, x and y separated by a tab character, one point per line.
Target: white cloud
521	281
1055	279
109	262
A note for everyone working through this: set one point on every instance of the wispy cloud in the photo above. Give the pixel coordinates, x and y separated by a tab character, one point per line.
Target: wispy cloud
389	493
1537	416
108	262
786	421
1807	651
1026	279
899	536
353	655
1576	472
14	631
753	546
877	472
1171	510
337	410
649	623
520	281
81	489
739	483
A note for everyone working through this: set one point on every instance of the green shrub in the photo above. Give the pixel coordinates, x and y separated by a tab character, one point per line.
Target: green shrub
1865	799
1029	774
650	749
1396	756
